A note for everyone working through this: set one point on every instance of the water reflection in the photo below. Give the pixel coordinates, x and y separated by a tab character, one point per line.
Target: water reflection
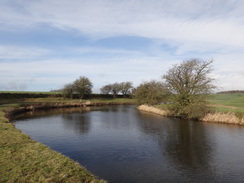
47	113
185	143
79	122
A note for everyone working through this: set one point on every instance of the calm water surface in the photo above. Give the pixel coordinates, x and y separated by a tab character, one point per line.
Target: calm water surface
121	144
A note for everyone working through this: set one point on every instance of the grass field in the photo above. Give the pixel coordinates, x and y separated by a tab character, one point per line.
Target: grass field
228	103
223	103
233	100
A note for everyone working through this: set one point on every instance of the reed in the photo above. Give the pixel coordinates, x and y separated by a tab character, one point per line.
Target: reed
216	117
219	117
153	110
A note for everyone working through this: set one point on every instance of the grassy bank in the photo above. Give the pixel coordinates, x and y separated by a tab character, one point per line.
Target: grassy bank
25	160
231	104
229	100
29	101
154	109
226	108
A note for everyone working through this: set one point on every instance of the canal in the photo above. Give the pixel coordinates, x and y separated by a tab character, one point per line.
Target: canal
123	145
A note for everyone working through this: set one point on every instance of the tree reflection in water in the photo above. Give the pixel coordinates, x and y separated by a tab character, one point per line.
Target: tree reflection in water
77	120
184	142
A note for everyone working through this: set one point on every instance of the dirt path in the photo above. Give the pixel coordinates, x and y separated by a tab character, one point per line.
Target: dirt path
225	106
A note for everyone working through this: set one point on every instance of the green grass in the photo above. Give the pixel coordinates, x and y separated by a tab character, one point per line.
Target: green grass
228	103
29	101
224	103
234	100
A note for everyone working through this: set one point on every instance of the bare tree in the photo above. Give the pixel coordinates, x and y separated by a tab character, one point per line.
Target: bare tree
126	88
106	89
116	88
68	91
190	84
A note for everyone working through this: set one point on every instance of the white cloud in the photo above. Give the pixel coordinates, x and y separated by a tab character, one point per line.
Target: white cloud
212	29
21	52
229	72
187	22
57	72
60	72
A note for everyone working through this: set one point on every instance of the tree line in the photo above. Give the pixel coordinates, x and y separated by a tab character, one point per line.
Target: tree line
125	88
184	88
83	86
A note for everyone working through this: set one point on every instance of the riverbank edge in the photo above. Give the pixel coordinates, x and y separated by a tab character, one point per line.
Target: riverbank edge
215	117
25	160
46	106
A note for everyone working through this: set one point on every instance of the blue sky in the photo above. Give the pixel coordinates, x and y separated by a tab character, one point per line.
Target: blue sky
45	44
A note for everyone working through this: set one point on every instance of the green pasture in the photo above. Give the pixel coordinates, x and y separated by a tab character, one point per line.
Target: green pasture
233	100
233	103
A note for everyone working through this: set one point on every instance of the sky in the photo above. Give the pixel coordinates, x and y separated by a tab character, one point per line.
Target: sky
45	44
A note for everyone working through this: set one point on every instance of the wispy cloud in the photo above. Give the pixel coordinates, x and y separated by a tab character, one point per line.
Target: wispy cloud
20	52
177	30
208	21
59	72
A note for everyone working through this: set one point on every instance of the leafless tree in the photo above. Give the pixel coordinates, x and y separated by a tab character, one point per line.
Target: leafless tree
106	89
116	88
126	88
68	91
190	84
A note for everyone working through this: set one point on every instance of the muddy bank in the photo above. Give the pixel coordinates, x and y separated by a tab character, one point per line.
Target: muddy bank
216	117
9	113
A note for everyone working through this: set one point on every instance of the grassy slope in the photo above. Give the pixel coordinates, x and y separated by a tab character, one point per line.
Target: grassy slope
224	103
234	100
24	160
228	103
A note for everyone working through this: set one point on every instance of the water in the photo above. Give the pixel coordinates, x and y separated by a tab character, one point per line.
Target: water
122	144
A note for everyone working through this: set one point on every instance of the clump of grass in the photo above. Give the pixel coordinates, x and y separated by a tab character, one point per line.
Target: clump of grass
218	117
229	103
25	160
153	110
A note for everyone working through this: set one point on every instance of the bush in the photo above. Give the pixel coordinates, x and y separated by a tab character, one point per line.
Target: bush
152	92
